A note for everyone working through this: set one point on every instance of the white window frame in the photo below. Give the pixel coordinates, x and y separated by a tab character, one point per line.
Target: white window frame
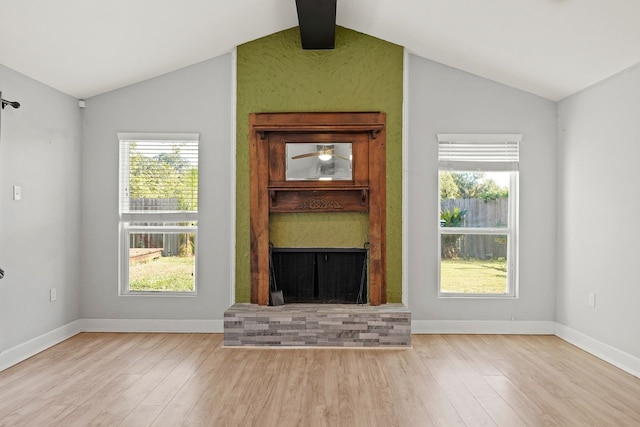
504	162
126	218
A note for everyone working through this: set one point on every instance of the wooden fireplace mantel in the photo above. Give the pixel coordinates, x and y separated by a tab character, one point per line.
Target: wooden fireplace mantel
271	193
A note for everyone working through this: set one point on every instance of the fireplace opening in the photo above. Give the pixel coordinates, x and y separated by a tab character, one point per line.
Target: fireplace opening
321	275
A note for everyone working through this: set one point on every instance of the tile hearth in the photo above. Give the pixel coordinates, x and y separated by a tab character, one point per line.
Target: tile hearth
317	325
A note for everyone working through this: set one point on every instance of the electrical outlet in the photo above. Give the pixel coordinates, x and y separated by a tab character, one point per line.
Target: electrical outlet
592	299
52	294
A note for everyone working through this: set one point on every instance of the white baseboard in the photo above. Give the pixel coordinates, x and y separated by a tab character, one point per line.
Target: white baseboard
616	357
17	354
521	327
153	325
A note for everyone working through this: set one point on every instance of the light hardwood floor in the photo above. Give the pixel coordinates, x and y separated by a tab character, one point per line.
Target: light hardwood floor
190	379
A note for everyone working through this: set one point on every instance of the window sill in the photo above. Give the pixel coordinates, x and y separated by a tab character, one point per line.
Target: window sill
158	294
476	296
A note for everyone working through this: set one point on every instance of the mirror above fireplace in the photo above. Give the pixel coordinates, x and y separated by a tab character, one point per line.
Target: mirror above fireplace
318	162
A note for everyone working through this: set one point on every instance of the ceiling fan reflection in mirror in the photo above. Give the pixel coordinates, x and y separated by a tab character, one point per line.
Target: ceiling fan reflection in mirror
324	153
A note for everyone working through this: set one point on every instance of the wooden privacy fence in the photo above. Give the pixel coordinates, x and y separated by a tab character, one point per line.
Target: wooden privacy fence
480	213
169	243
146	204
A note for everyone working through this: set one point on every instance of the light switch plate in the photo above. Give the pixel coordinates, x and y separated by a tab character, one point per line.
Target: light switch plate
17	192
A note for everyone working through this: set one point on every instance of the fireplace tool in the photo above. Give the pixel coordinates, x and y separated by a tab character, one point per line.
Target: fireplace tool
363	276
276	296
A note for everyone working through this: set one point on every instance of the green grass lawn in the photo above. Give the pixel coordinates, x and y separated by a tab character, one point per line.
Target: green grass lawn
163	274
474	276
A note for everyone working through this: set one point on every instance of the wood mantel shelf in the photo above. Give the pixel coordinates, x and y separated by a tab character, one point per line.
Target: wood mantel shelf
270	192
314	186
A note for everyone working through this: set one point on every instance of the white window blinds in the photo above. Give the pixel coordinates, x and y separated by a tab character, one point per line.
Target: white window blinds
158	173
478	152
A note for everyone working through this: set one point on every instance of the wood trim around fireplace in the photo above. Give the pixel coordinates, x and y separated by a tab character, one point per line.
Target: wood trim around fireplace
270	192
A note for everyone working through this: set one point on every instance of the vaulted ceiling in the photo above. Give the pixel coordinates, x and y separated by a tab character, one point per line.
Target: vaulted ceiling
552	48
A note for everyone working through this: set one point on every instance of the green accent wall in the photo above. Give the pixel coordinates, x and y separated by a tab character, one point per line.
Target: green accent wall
328	230
362	73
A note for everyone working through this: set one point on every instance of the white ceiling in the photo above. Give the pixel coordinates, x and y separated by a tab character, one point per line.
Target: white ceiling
552	48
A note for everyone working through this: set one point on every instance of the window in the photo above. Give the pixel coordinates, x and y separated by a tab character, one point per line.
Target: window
158	213
478	181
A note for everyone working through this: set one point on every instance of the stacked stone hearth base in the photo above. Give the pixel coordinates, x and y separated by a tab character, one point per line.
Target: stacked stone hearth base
317	325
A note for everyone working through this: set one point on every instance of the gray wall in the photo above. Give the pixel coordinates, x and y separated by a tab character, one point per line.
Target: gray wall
443	99
193	99
39	235
599	150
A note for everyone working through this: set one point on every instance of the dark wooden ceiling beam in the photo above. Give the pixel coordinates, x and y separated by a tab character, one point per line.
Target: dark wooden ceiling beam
317	19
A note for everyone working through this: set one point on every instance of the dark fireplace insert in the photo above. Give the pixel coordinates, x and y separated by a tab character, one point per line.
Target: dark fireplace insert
321	275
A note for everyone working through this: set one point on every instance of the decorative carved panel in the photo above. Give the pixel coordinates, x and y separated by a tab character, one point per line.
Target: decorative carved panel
284	200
